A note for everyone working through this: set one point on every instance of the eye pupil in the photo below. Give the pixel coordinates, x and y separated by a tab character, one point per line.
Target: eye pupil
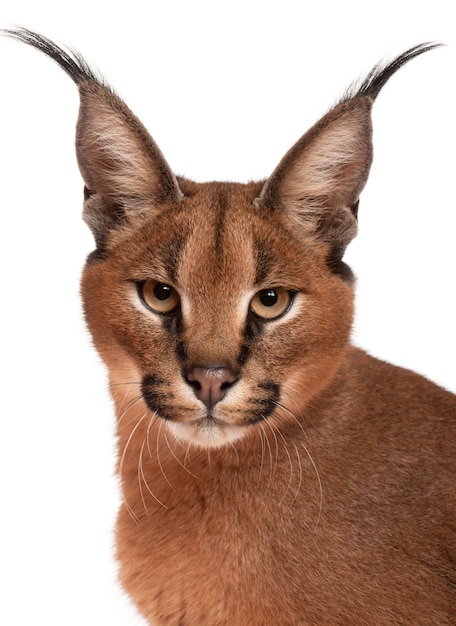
268	297
162	292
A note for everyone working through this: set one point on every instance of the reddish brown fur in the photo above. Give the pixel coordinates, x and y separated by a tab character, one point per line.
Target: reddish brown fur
321	488
246	540
339	511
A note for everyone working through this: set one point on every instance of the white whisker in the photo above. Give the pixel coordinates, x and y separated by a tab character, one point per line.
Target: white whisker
232	444
126	407
187	453
298	488
141	475
174	455
157	450
320	486
271	468
262	438
309	456
289	460
121	465
273	463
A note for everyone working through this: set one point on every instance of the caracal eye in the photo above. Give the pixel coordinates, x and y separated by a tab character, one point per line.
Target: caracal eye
271	303
158	297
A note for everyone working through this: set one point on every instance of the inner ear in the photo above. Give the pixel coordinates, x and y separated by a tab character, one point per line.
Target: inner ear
123	169
327	168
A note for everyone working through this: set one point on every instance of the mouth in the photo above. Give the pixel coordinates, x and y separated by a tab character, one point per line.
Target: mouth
206	432
209	421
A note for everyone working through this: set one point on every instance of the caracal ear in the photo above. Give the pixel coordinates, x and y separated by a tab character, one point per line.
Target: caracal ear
318	182
125	173
119	161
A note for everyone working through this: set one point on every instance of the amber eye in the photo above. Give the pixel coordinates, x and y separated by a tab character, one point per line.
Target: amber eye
159	297
271	303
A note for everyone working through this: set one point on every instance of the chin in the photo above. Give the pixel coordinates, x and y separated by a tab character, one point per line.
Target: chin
206	433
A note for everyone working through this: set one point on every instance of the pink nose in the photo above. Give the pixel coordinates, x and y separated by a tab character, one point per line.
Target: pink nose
211	383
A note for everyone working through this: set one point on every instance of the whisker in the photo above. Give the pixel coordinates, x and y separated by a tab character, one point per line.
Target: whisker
153	420
300	472
294	418
290	480
320	486
141	474
125	382
126	407
121	465
174	455
262	438
157	449
187	453
232	444
273	464
309	456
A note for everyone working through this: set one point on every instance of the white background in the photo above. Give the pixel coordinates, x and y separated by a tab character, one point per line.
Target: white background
225	88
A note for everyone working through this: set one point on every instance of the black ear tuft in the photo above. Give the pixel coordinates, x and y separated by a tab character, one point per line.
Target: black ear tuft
319	180
381	73
124	172
71	61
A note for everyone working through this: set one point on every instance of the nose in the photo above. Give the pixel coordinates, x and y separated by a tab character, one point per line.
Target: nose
210	384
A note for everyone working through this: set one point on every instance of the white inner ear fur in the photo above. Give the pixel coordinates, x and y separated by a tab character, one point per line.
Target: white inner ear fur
117	156
333	166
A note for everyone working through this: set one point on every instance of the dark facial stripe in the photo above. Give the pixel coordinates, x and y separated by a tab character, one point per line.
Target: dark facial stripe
171	255
264	261
174	325
221	206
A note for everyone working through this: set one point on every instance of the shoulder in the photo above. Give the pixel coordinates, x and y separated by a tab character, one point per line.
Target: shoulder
381	391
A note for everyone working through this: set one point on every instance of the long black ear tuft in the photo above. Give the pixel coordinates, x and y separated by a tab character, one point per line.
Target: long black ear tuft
69	60
125	173
381	73
319	180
